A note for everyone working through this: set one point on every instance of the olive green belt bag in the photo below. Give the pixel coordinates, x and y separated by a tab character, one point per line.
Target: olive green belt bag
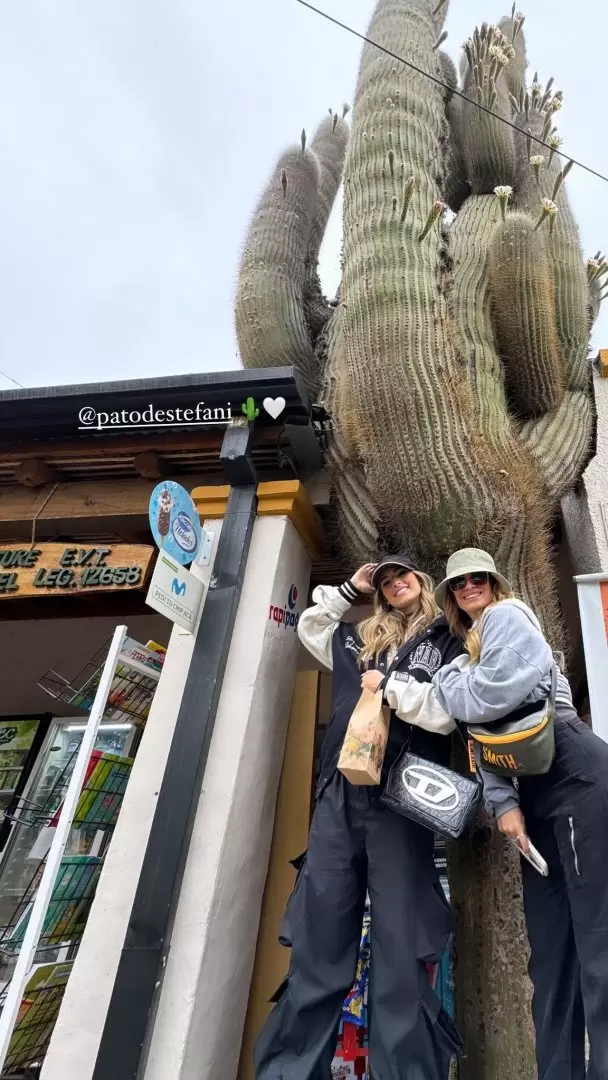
523	744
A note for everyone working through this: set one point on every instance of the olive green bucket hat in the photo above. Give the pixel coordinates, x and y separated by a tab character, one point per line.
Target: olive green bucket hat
469	561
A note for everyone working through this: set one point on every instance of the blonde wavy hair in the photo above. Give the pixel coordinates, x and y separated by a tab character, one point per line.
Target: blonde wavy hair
460	623
388	629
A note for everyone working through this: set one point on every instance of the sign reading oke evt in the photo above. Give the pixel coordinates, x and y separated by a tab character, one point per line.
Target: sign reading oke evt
58	569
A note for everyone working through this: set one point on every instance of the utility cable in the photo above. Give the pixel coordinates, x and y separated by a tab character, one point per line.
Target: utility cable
10	379
450	89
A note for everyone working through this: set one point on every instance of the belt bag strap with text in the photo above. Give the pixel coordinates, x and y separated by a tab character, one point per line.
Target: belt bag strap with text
523	744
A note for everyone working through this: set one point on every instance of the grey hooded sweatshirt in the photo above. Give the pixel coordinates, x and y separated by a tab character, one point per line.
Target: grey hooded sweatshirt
514	668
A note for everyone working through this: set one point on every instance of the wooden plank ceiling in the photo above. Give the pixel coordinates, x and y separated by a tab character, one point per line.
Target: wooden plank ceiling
113	458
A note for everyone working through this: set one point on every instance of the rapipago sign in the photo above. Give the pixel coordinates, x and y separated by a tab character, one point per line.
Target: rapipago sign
286	617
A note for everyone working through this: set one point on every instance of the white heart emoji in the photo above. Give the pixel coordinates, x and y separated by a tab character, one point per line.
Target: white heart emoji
274	406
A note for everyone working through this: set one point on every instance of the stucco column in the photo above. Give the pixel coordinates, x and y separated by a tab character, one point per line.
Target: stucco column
203	1001
75	1042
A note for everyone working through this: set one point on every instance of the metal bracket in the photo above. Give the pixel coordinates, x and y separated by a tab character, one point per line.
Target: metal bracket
203	557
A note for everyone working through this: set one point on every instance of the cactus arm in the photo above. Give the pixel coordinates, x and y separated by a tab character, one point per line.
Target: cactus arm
522	288
270	324
329	145
564	248
405	386
515	71
488	144
470	236
280	309
561	442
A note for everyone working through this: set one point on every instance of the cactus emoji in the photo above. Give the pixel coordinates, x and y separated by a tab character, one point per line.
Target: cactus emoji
249	410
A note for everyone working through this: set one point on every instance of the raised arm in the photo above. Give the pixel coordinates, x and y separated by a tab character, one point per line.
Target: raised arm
318	624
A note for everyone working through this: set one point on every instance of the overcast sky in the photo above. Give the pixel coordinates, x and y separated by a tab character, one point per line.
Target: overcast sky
135	136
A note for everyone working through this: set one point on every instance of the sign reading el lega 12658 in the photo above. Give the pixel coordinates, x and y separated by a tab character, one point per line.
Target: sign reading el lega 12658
55	569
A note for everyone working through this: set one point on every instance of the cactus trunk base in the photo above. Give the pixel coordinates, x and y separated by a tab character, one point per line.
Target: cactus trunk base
493	991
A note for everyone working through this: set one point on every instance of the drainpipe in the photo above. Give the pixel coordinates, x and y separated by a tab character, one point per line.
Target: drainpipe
140	970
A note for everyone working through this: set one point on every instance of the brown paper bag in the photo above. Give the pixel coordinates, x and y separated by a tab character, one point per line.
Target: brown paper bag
365	741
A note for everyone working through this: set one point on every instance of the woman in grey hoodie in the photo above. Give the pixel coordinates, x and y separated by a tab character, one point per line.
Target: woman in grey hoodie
563	813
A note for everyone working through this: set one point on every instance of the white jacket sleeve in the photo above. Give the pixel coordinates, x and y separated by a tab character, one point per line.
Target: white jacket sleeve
417	704
317	625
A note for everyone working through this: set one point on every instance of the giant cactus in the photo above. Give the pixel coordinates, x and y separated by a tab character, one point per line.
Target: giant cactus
454	361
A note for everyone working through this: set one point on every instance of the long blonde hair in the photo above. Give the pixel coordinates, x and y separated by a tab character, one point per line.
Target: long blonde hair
460	623
388	629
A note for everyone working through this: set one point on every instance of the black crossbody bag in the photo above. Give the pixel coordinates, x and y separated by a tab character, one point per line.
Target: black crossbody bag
444	801
439	798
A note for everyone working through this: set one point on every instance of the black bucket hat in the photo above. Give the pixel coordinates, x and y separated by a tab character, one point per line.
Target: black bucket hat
402	560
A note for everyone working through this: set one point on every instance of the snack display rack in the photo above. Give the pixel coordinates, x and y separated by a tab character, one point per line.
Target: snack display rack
33	819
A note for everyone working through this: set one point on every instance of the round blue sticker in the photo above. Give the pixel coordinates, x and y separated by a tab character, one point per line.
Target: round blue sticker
174	521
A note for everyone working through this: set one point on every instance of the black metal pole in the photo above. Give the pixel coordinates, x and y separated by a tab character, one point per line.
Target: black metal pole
141	962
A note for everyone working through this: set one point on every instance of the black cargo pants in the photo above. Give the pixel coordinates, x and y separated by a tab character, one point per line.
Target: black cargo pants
566	815
357	845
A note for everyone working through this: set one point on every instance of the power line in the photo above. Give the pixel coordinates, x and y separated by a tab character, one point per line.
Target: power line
10	378
450	89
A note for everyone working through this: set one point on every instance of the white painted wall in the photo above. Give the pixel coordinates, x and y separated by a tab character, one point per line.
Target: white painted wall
586	512
73	1050
202	1007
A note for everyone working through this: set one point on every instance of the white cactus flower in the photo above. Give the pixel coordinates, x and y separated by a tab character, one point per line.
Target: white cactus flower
499	54
548	210
504	192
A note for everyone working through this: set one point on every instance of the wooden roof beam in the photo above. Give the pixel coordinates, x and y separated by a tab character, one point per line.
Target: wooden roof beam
151	466
34	473
106	506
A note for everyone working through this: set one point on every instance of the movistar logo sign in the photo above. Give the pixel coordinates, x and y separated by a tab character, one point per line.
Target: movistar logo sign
286	616
178	587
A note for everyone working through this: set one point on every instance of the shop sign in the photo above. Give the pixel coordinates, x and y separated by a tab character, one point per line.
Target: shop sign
175	522
175	592
285	616
59	569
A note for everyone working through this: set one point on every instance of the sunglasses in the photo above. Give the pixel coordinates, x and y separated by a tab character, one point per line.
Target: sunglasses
481	577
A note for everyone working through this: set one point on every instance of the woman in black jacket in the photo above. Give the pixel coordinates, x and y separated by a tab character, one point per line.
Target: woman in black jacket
357	846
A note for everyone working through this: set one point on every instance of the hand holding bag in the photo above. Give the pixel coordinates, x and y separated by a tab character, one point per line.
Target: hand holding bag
362	754
432	795
523	743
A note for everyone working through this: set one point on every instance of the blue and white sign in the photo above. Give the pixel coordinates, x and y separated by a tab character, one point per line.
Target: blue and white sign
175	592
174	522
